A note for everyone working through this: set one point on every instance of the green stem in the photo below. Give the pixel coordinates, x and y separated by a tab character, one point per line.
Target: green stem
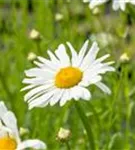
115	101
68	146
127	101
98	123
38	47
86	124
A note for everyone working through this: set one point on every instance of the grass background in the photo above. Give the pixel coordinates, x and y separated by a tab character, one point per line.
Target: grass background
111	117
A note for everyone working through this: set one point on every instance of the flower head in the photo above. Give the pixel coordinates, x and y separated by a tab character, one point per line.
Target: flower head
58	16
31	56
62	78
124	58
9	134
63	135
34	35
117	4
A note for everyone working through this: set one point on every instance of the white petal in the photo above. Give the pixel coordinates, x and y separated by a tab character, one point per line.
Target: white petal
3	109
56	97
42	77
41	104
74	57
36	91
39	94
42	99
33	80
35	144
123	6
119	4
90	57
40	65
62	55
65	97
94	3
4	131
53	57
38	72
115	6
103	87
109	63
86	94
82	52
102	58
86	81
80	92
28	87
10	121
74	93
49	64
105	69
98	68
132	2
35	85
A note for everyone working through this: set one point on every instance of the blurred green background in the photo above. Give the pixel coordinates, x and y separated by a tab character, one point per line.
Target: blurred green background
112	118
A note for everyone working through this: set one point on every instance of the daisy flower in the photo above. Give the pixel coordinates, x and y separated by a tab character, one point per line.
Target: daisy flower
94	3
117	4
62	78
9	134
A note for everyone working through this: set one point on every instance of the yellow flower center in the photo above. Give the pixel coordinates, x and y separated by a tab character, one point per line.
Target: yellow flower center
7	143
68	77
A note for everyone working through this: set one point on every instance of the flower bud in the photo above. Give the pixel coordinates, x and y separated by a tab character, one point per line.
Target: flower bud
34	35
86	1
95	11
23	131
31	56
58	17
124	58
63	135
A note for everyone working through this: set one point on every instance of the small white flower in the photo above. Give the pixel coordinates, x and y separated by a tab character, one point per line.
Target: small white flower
117	4
9	134
61	79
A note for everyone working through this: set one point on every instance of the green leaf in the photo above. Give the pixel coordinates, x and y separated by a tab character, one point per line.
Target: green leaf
117	142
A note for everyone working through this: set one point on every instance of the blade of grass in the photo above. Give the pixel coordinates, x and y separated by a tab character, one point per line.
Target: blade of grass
86	124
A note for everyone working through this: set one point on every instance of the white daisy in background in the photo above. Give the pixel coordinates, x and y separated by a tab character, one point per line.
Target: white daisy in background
117	4
60	78
95	3
121	4
9	134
